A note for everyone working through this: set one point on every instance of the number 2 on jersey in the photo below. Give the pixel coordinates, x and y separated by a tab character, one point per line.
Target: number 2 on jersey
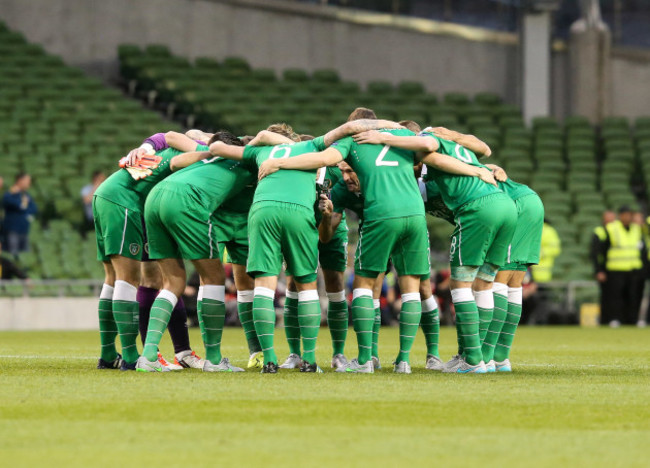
380	159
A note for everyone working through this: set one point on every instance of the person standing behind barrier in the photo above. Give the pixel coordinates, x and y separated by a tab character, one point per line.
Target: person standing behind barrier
598	239
550	248
621	252
19	213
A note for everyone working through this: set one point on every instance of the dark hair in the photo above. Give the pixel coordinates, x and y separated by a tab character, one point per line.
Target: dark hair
362	113
306	137
97	173
226	137
411	125
19	176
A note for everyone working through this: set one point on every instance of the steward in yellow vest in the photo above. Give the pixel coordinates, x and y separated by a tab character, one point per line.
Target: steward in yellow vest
621	270
551	247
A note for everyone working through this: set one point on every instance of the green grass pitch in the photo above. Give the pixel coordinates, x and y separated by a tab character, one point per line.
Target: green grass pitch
577	397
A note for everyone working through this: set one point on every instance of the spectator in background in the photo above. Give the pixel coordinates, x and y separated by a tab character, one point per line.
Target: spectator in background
621	264
598	240
2	214
87	193
19	209
8	269
550	249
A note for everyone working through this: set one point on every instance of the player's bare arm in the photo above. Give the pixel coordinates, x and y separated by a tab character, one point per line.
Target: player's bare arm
470	142
304	162
453	166
413	143
198	135
187	159
180	141
357	126
267	138
329	222
219	148
499	173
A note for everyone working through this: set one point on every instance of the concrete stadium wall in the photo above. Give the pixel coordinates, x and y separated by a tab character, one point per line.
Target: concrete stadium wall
269	34
26	313
280	35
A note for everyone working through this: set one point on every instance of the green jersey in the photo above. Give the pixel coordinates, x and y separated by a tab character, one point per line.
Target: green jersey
386	177
240	202
433	202
326	181
457	190
343	199
288	186
211	180
122	189
515	190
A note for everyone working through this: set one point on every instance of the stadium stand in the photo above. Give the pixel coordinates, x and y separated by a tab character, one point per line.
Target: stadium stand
59	126
578	169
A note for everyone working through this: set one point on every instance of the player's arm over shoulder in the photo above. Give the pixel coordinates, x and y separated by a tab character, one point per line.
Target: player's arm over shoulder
180	141
187	159
219	148
357	126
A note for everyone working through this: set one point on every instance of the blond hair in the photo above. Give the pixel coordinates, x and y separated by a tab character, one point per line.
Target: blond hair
284	130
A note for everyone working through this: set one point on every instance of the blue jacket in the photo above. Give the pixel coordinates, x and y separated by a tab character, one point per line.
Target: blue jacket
17	219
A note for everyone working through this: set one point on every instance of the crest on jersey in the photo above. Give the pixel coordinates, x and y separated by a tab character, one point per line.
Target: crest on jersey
134	249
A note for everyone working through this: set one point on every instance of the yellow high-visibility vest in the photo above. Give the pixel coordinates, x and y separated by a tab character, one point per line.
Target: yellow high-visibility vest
624	253
550	249
601	233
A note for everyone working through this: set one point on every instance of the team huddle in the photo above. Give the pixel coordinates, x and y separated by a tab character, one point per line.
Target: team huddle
279	199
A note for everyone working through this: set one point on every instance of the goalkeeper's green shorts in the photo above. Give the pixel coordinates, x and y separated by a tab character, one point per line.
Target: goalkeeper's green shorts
118	230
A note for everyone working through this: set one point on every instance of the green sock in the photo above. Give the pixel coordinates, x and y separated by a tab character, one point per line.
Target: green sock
430	323
337	321
507	335
291	325
309	318
500	291
264	319
126	312
467	324
161	312
107	326
199	316
485	304
363	319
409	322
213	312
245	312
376	326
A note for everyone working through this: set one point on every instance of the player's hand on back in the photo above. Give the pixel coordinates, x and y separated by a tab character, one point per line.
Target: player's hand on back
325	205
499	173
370	137
267	168
486	176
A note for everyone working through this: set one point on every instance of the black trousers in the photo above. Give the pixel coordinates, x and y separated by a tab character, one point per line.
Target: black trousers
621	297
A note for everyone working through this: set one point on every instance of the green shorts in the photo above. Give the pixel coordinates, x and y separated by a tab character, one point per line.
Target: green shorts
179	225
118	230
277	229
404	240
334	255
525	246
232	232
484	230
